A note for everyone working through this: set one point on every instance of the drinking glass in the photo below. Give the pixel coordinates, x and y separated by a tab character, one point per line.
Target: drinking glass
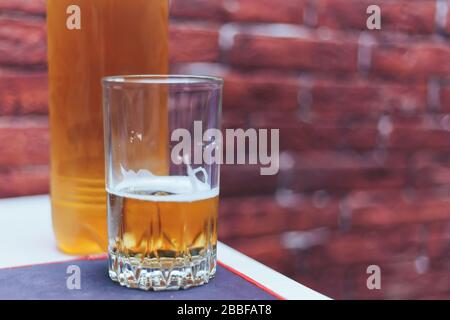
162	150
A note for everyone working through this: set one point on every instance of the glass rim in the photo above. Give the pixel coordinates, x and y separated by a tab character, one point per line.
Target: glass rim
163	79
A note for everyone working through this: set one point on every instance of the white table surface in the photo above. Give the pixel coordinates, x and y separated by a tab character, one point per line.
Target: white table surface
26	238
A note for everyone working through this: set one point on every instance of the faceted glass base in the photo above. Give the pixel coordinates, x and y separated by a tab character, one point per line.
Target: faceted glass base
160	274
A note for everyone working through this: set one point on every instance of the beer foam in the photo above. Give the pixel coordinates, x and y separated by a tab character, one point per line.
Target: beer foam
143	184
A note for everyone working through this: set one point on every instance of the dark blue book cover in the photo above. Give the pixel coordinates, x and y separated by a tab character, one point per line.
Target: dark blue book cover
50	282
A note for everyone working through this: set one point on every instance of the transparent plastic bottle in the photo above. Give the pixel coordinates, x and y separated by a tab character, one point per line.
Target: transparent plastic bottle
87	40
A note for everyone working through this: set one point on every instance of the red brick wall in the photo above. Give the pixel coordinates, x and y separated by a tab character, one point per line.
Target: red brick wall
365	131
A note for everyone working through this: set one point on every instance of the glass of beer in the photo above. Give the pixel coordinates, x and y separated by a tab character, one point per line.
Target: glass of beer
163	151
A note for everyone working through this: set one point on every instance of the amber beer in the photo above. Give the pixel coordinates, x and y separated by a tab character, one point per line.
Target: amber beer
108	37
162	230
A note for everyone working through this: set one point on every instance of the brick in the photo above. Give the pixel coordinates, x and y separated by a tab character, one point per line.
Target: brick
26	180
408	272
414	138
414	287
419	60
260	91
348	179
24	93
333	170
367	99
301	117
198	9
312	213
193	44
234	119
438	242
328	280
401	213
235	178
343	160
416	17
366	247
293	53
357	138
24	141
445	99
367	198
448	23
23	41
363	246
288	11
401	280
266	249
431	177
308	136
341	131
27	6
322	133
256	216
430	169
429	159
264	215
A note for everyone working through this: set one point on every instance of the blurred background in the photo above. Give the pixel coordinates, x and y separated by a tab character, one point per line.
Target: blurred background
365	132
